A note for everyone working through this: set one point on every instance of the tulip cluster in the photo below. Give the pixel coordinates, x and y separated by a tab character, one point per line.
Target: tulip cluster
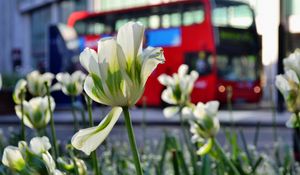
179	89
289	86
35	113
32	159
204	125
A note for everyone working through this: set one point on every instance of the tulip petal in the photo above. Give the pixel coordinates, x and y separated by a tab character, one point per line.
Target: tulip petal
26	108
167	96
206	147
165	79
212	107
20	86
151	58
89	60
171	111
283	85
130	37
94	89
87	140
182	70
40	145
13	158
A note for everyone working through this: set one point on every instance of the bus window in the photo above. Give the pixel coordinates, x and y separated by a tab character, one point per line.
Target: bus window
154	22
175	19
120	22
80	27
98	28
238	16
166	22
198	15
237	68
200	62
144	21
188	18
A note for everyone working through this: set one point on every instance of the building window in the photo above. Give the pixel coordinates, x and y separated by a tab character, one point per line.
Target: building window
40	20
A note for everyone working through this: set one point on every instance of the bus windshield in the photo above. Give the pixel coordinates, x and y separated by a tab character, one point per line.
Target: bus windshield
236	15
238	67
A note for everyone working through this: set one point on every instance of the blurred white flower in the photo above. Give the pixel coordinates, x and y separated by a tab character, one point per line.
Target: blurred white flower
120	69
20	89
87	140
68	165
36	112
36	82
179	89
40	145
292	62
71	84
205	125
289	86
13	158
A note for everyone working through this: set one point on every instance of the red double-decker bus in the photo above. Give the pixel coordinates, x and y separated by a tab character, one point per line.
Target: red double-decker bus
218	40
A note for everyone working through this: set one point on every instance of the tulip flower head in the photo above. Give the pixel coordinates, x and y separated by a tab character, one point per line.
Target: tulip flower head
179	89
13	158
120	69
289	86
205	125
71	84
36	112
19	91
36	82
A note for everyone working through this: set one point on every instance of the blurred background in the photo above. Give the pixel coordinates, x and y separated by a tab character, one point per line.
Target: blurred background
253	36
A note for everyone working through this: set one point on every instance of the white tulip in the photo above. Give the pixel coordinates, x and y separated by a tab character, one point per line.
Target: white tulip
120	69
13	158
36	112
36	82
205	125
40	145
179	89
19	89
71	84
293	62
87	140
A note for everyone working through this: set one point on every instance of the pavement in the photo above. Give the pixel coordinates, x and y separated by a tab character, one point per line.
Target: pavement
154	116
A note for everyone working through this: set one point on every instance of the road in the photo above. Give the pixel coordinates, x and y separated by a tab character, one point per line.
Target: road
241	120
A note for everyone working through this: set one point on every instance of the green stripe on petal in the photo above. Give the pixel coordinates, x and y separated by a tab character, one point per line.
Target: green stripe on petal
94	89
87	140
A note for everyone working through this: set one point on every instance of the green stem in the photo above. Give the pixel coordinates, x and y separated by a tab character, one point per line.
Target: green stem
22	120
94	153
53	133
131	138
76	125
224	156
189	146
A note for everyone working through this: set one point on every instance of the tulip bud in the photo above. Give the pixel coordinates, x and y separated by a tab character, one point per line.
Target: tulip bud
13	158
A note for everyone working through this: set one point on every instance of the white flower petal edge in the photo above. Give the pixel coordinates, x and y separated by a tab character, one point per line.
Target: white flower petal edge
87	140
170	111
